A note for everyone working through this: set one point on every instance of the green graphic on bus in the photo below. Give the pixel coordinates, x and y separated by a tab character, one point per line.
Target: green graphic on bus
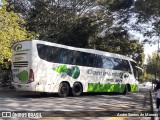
73	72
23	76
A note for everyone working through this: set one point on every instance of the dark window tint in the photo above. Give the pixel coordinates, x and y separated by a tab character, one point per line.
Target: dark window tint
134	68
90	60
126	66
76	57
117	63
120	64
71	57
62	56
51	54
65	56
47	53
98	61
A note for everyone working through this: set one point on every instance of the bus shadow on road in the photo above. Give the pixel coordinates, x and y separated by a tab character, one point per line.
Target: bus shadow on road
23	94
45	95
87	101
38	95
101	93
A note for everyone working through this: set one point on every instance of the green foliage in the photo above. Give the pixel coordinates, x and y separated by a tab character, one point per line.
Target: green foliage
84	23
147	77
153	64
150	68
12	29
117	41
149	11
79	33
147	8
68	22
116	5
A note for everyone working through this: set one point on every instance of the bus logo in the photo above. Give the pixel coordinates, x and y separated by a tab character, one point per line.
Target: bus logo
17	47
125	76
73	72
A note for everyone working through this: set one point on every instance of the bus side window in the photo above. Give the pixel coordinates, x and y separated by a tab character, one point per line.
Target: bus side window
52	54
117	64
71	58
135	72
62	55
107	63
126	66
99	61
79	59
121	64
41	51
85	57
90	60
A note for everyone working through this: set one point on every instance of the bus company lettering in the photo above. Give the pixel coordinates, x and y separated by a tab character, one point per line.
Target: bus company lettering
100	73
103	73
18	48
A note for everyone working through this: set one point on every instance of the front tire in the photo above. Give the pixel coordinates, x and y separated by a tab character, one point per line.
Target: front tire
63	89
77	89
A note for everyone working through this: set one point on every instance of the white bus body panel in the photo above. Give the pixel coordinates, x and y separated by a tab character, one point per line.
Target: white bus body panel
46	79
21	65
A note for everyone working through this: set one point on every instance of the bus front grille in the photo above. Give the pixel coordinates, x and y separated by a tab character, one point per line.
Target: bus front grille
20	64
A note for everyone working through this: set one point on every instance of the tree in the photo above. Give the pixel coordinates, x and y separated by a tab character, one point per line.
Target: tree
12	29
117	40
147	8
151	65
69	22
85	23
146	77
148	12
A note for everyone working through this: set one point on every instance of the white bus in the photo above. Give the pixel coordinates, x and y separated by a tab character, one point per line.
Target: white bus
49	67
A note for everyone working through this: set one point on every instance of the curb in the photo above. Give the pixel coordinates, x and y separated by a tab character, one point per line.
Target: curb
153	105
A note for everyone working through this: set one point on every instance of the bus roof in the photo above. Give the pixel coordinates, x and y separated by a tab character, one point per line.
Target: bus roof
82	49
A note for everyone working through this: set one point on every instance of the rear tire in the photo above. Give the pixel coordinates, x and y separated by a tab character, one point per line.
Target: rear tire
77	89
63	89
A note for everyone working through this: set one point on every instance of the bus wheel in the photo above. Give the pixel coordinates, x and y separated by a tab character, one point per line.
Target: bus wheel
63	89
125	90
77	89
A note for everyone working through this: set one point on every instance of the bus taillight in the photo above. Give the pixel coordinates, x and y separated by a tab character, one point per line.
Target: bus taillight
31	76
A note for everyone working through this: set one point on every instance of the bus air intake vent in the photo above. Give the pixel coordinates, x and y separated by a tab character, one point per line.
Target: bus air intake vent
20	64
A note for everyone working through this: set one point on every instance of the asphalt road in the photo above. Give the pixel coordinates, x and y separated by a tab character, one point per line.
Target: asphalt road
88	105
